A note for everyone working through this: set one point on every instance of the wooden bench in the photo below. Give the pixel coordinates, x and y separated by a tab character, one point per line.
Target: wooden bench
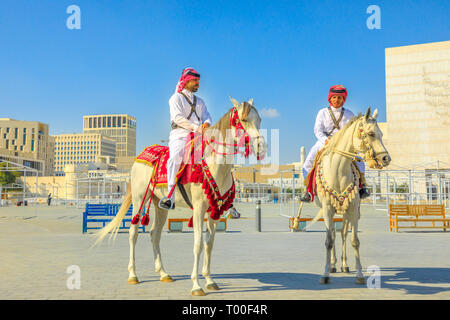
302	222
103	214
415	215
176	225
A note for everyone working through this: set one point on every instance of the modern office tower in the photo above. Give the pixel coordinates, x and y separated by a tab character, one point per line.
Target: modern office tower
83	148
120	127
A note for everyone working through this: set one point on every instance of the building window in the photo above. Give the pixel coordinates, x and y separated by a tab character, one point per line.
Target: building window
114	122
15	132
104	122
90	122
32	145
24	138
7	144
109	123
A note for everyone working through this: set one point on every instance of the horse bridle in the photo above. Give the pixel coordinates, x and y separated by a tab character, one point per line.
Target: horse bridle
244	139
367	148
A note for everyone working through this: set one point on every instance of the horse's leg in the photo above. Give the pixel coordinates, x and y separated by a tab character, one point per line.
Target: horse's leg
355	244
209	242
133	234
140	175
344	233
333	255
199	212
329	242
155	235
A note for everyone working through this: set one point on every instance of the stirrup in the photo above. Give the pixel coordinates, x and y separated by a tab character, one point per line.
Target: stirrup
163	204
305	197
364	193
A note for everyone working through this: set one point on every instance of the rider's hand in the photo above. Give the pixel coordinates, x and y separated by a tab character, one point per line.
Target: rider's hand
201	129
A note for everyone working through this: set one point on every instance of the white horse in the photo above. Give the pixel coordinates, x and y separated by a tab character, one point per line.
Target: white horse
220	167
337	181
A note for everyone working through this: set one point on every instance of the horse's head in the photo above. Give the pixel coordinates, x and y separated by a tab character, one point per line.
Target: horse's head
368	140
248	117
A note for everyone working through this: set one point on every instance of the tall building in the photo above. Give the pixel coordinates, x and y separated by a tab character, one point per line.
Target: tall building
418	103
83	148
120	127
27	143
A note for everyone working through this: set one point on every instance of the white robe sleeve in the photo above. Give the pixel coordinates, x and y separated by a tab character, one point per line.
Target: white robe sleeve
319	128
206	117
177	116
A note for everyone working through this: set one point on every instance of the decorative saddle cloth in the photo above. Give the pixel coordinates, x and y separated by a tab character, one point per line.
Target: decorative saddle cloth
157	156
193	170
310	180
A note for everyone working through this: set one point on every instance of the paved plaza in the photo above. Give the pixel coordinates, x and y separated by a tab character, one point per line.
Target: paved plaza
38	244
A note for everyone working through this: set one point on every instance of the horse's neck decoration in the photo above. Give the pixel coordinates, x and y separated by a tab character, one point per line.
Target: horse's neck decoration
340	201
241	138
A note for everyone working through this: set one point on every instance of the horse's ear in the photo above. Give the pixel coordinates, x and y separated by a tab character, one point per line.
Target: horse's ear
367	115
250	102
375	114
235	103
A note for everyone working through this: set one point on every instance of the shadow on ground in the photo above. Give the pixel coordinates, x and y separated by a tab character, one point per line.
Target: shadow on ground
419	281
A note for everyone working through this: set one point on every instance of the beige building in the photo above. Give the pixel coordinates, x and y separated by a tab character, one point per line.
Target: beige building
83	148
27	143
418	104
120	127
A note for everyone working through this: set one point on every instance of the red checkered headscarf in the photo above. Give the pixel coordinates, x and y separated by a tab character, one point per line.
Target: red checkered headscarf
188	74
338	90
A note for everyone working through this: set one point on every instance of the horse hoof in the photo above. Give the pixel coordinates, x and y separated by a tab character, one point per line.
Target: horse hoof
333	270
166	279
212	286
133	280
324	280
345	269
360	281
198	293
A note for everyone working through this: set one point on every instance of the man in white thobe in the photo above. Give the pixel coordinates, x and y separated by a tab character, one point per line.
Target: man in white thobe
328	121
188	113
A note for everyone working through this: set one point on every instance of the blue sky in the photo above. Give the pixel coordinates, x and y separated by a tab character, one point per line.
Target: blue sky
129	54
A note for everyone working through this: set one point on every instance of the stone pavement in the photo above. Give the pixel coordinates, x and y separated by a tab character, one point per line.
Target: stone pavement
38	244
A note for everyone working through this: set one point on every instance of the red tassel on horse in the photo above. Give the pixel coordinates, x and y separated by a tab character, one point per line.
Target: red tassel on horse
145	220
135	219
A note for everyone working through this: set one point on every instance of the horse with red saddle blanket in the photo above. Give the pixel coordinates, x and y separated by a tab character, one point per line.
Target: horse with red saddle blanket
205	177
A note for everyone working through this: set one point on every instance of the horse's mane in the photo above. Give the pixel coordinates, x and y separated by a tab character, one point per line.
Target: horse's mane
338	136
224	122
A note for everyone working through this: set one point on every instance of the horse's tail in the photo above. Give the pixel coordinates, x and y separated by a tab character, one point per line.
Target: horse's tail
316	218
114	225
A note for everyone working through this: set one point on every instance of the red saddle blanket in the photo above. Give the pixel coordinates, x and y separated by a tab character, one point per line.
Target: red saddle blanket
157	157
192	170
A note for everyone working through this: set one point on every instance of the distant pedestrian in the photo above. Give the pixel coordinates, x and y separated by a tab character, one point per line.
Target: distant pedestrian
49	199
